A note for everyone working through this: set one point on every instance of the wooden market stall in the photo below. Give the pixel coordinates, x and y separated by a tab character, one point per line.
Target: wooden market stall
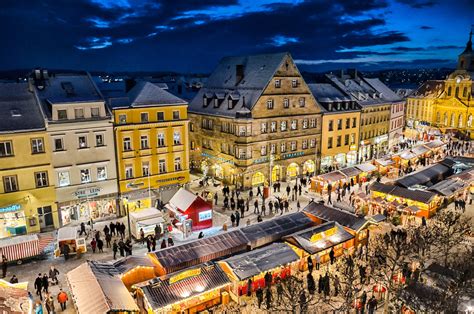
366	170
134	269
247	270
385	165
352	175
426	177
450	188
319	184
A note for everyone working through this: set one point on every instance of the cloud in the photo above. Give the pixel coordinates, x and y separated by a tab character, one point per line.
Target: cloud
95	43
282	40
425	27
419	4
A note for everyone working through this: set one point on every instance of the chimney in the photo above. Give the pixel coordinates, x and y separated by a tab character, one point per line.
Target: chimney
352	73
129	84
239	73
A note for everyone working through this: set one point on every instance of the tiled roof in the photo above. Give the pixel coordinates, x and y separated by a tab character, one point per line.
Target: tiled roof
448	187
258	261
19	110
431	89
145	94
344	218
162	292
427	176
128	263
415	195
324	92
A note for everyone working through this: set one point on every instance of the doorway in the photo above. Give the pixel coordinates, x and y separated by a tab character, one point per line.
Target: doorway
45	215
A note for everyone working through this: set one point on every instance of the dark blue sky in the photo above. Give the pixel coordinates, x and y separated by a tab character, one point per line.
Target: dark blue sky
192	35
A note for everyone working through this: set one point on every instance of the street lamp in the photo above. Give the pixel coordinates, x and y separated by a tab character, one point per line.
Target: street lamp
128	220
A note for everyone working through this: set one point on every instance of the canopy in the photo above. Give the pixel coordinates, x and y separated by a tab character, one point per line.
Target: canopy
434	144
327	213
407	155
332	176
67	233
366	167
420	150
350	172
414	195
428	176
145	213
384	162
448	187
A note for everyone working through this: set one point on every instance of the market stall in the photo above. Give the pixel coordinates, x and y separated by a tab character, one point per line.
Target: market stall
145	219
134	269
192	290
277	259
68	236
385	165
14	298
450	188
366	170
352	175
426	177
319	184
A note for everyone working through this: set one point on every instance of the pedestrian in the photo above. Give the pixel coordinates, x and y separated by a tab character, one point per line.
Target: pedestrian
318	261
62	299
163	244
170	242
249	287
268	299
142	236
112	228
121	247
4	266
108	239
83	229
372	305
49	304
336	285
259	218
268	279
215	198
93	244
298	205
65	250
259	294
255	211
153	242
288	190
106	230
279	291
45	283
128	247
201	235
157	232
148	244
53	274
39	286
38	308
232	219
320	284
115	248
310	264
270	207
363	301
100	245
13	279
259	191
331	256
237	218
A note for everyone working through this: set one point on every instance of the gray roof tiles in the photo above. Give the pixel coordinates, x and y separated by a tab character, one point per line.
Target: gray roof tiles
145	94
327	213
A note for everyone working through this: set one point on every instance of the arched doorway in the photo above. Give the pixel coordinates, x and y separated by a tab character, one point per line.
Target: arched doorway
276	173
258	178
308	166
292	171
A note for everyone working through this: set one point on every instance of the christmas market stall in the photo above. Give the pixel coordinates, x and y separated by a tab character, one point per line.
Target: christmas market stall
248	270
450	188
96	288
319	184
426	177
199	251
14	298
366	171
272	230
192	290
435	146
352	175
134	269
185	207
146	219
385	165
320	240
355	225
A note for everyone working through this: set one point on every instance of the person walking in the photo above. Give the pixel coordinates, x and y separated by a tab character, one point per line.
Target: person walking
259	191
106	230
49	304
318	261
38	307
163	244
148	244
100	245
93	244
39	286
259	294
112	228
363	301
331	256
108	239
310	264
298	205
53	274
288	190
115	248
255	211
153	243
121	247
232	219
14	279
142	236
45	283
62	299
4	266
157	232
372	305
83	229
237	218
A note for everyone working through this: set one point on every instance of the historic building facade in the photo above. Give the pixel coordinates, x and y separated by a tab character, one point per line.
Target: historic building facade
255	122
80	134
27	194
151	134
340	126
446	105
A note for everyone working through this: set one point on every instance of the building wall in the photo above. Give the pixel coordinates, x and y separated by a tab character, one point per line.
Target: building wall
397	116
374	129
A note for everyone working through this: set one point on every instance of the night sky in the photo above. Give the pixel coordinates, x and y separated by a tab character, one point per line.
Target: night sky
192	35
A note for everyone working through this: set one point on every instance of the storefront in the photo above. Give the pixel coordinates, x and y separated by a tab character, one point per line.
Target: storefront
292	171
340	160
351	157
12	220
258	179
276	173
309	167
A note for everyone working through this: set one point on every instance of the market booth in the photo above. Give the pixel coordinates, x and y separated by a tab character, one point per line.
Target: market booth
385	165
450	188
192	290
145	219
352	174
319	184
70	237
320	240
14	298
186	206
134	269
366	170
426	177
247	270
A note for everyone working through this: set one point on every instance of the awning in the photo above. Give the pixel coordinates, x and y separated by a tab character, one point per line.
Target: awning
384	162
420	150
350	172
434	144
366	167
331	176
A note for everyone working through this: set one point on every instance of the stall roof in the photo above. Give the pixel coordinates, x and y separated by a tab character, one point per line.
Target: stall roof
411	209
407	155
304	239
466	176
201	250
172	289
377	218
366	167
434	144
258	261
97	289
420	150
183	199
384	162
332	176
427	176
67	233
18	239
415	195
272	230
145	213
128	263
344	218
350	172
448	187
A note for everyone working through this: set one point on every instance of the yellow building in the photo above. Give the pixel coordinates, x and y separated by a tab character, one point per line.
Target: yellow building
446	104
151	134
340	128
27	194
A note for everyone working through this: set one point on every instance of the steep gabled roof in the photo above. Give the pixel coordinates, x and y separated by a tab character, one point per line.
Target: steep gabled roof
431	89
342	217
146	94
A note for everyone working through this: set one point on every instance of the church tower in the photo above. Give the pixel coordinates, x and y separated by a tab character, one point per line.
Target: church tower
466	58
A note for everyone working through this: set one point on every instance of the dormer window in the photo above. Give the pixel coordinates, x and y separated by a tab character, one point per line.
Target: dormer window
216	103
277	83
294	83
329	107
270	104
204	101
338	106
229	103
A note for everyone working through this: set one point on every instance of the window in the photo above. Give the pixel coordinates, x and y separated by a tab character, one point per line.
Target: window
122	118
191	127
354	122
128	171
144	117
283	147
41	179
144	142
277	83
304	144
293	145
302	102
6	149
464	92
286	103
161	139
37	146
263	127
99	140
62	114
339	124
305	123
95	112
346	139
312	123
263	150
330	126
145	168
160	116
329	142
79	113
294	124
273	126
162	165
272	149
283	126
270	104
58	144
127	144
312	143
176	115
10	184
101	173
177	164
85	176
353	138
242	131
348	123
449	91
242	154
82	141
294	83
177	138
63	178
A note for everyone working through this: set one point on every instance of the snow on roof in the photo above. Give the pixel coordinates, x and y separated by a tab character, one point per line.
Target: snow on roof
183	199
67	233
146	213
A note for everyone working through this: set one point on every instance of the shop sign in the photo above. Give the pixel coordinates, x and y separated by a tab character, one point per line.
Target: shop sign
292	155
318	236
87	192
133	185
10	208
185	274
205	215
218	158
260	160
171	179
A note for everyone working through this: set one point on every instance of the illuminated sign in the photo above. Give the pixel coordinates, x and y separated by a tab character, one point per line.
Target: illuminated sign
10	208
318	236
133	185
185	274
205	215
292	155
218	158
87	192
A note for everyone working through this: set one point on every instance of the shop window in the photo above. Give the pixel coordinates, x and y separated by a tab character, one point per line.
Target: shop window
286	103
62	114
294	124
177	164
177	138
162	165
161	139
144	117
122	118
63	178
176	115
127	144
277	83
6	148
329	142
346	139
283	126
270	104
85	176
99	140
339	139
145	168
160	116
79	113
37	146
305	123
41	179
331	125
82	141
263	127
101	173
144	142
10	184
95	112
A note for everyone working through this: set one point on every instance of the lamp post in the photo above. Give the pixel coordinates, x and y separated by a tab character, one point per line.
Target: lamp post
128	220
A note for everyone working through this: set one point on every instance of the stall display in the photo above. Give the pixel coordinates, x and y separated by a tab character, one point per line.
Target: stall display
14	298
185	205
68	236
20	247
146	219
319	184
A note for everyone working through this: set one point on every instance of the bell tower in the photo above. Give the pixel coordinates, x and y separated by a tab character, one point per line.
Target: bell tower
466	58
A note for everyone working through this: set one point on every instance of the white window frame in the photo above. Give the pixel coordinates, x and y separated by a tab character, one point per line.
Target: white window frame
97	136
128	171
41	179
145	168
263	127
177	138
127	144
84	144
177	164
277	83
37	145
162	165
144	143
283	126
85	175
286	103
63	177
10	183
270	104
263	150
101	173
160	140
294	83
6	148
144	115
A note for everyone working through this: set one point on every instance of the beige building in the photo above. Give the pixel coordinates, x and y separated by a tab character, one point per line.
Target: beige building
254	119
80	132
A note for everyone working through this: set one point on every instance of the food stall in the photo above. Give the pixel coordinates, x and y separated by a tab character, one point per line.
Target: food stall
277	259
186	206
319	184
70	237
384	165
352	174
134	269
366	170
146	219
14	298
